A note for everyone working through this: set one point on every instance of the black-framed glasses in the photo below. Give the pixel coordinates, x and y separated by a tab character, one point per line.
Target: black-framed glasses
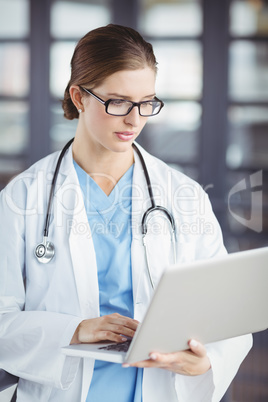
122	107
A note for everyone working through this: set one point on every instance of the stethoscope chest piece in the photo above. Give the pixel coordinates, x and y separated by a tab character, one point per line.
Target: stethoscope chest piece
45	251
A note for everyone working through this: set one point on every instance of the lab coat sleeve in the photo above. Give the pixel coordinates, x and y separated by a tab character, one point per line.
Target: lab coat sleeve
30	347
225	356
30	340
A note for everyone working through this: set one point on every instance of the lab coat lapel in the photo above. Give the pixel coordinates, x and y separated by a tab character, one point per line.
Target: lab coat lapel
74	219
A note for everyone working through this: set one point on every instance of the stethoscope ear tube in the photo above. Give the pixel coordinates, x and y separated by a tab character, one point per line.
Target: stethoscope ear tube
153	208
144	232
147	259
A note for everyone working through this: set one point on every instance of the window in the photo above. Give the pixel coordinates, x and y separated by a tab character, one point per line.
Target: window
174	29
65	32
247	161
14	87
247	134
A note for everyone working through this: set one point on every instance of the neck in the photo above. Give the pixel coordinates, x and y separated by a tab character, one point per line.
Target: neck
104	166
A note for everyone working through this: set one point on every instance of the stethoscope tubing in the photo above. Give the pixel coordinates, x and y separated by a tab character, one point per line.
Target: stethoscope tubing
45	251
53	185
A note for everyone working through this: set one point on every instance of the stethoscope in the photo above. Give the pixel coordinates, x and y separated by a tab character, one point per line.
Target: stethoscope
45	251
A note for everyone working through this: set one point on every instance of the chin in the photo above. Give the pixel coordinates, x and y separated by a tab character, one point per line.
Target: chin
122	146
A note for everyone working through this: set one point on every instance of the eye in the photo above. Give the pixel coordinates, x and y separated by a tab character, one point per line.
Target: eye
118	102
147	104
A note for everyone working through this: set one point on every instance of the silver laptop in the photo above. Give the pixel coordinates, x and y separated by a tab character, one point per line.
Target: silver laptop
207	300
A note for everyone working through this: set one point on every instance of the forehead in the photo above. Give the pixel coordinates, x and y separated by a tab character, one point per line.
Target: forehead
132	83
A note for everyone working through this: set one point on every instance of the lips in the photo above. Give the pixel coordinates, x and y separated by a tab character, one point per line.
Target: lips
125	135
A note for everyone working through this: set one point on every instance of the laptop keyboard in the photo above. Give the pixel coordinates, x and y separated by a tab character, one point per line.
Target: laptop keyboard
118	347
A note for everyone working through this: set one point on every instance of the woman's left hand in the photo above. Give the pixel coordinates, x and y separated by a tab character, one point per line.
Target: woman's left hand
193	361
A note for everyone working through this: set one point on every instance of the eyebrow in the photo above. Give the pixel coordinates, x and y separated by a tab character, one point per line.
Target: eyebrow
128	97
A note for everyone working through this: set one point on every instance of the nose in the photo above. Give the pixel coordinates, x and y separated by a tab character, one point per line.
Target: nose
133	118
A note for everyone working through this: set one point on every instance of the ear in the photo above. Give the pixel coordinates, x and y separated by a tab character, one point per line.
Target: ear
76	96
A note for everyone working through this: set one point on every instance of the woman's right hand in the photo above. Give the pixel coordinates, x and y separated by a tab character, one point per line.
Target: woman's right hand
113	327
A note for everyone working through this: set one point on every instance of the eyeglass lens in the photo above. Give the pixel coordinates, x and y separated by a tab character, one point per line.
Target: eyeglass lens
122	107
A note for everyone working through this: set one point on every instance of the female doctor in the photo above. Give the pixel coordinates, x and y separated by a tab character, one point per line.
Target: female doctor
86	277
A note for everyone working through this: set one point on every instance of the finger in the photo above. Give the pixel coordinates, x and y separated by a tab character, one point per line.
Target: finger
159	360
122	320
121	330
109	336
143	364
165	359
197	348
110	327
120	324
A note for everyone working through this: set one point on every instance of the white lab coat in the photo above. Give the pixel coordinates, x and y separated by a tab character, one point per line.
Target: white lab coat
42	305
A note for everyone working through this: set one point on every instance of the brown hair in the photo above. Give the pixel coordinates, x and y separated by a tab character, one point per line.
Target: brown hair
102	52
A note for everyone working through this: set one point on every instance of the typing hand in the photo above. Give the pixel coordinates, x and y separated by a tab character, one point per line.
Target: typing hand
193	361
113	327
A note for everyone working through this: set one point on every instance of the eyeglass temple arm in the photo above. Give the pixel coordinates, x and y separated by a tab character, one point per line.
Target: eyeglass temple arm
94	96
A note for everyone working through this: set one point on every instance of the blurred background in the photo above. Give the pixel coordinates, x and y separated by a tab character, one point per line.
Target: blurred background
213	78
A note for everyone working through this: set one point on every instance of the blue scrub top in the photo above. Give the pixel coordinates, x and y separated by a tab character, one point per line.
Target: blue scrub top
110	223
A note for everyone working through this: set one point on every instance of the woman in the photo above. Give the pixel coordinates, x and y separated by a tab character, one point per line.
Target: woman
96	287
